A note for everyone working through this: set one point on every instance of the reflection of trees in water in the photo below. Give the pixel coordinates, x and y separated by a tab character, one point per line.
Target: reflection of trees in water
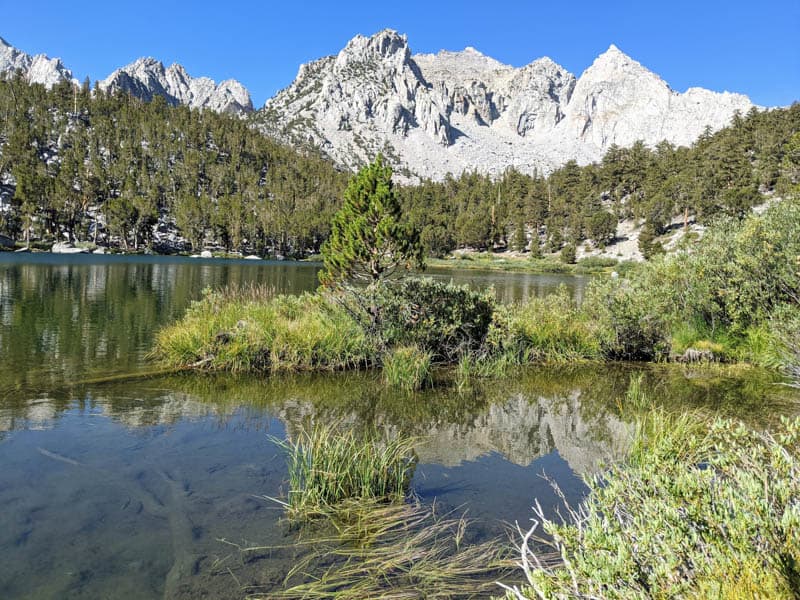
62	322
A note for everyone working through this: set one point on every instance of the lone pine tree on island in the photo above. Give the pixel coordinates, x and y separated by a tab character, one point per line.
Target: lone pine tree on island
369	241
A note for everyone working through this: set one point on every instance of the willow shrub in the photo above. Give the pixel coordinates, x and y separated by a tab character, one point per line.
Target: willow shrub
439	318
700	510
725	291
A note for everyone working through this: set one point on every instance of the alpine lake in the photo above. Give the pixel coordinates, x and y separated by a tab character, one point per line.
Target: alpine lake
120	481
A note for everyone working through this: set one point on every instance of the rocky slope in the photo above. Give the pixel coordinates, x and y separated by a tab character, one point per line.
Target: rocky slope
147	77
431	114
37	69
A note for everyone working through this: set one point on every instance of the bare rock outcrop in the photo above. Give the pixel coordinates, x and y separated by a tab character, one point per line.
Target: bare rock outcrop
36	69
147	77
433	114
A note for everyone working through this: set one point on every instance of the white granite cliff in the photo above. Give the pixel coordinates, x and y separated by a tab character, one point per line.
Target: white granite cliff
431	114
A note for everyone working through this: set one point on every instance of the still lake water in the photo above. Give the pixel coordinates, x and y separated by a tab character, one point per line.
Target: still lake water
127	489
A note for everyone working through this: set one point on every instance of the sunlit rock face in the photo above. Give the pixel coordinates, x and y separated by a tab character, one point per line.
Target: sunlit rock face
147	78
433	114
35	69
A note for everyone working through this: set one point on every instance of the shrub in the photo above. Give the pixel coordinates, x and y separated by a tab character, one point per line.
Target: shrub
442	319
633	327
700	510
597	262
568	254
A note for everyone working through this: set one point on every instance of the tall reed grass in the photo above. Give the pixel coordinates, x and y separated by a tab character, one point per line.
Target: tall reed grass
254	330
408	368
329	464
548	329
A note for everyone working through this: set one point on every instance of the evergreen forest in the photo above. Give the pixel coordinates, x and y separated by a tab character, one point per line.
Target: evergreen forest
79	165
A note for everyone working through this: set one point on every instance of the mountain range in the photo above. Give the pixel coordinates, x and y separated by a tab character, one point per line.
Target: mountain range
433	114
144	78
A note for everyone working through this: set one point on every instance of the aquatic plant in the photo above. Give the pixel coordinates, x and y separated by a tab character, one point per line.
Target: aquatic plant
366	549
549	329
701	509
361	537
330	464
407	368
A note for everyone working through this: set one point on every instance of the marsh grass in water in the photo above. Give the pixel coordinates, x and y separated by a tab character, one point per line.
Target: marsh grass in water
408	368
728	300
702	509
253	330
367	549
360	535
550	329
330	464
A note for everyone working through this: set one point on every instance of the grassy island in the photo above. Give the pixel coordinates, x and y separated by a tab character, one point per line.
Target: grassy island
732	297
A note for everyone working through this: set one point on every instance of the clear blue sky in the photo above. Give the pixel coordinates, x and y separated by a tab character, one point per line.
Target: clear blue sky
749	47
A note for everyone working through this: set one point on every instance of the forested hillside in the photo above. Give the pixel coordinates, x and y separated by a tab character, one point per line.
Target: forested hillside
723	173
116	170
80	165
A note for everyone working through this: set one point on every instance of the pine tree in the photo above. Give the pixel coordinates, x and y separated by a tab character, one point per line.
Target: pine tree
368	240
520	235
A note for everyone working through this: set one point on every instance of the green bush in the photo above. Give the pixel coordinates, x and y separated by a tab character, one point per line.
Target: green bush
633	327
568	254
597	262
442	319
700	510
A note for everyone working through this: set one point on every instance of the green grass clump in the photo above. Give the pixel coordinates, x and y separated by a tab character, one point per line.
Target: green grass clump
592	263
252	330
407	368
328	466
700	510
549	329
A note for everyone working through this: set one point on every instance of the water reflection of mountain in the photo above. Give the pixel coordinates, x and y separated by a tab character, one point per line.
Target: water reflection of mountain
572	411
521	429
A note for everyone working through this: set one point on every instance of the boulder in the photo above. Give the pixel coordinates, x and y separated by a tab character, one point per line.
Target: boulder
67	248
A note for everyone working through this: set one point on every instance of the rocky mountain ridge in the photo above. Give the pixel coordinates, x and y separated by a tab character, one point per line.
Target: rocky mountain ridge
433	114
37	69
143	78
147	77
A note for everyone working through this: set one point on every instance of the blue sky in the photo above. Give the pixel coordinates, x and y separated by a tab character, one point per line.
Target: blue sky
747	47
